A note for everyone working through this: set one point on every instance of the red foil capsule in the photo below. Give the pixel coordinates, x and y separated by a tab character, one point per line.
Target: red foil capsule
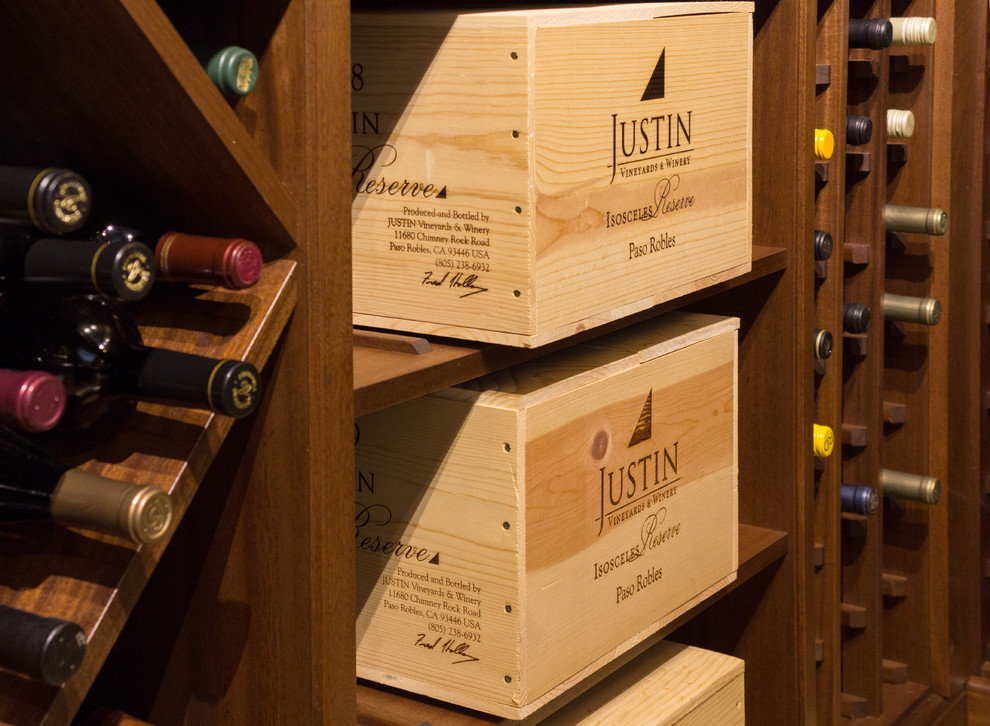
229	262
30	400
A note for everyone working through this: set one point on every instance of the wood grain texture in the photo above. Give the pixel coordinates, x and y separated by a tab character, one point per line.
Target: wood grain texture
384	706
287	556
527	224
966	363
675	684
481	485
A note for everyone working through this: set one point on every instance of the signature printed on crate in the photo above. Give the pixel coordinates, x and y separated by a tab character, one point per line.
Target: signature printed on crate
457	280
459	650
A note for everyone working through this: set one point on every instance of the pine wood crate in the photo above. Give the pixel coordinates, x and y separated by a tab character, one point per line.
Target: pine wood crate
517	532
670	684
519	176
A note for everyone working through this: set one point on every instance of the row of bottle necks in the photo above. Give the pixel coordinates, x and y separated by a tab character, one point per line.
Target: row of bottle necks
75	357
899	124
878	34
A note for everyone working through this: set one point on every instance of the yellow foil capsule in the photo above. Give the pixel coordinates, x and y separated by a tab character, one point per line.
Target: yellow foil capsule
824	144
823	440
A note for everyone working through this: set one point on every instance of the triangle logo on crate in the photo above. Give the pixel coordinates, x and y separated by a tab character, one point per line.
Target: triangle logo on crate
654	89
644	427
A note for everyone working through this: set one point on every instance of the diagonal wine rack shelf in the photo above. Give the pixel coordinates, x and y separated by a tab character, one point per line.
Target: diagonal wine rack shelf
121	98
92	579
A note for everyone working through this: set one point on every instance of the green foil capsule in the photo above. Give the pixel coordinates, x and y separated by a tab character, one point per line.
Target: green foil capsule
233	69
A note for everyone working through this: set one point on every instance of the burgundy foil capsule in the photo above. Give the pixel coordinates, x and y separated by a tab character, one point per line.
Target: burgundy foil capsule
30	400
231	262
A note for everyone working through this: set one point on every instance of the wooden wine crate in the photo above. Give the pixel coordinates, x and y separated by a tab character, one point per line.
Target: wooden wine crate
516	532
670	684
522	175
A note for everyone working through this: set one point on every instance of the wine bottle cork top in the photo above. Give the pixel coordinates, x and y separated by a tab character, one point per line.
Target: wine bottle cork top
63	654
933	490
823	344
150	515
823	244
823	440
243	264
234	70
913	31
871	501
40	401
84	499
824	144
900	123
59	200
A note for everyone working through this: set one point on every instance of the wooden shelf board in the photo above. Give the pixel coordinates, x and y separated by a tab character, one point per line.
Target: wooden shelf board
384	377
380	705
95	580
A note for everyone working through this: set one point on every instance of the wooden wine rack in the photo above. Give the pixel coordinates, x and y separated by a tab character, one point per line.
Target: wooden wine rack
247	614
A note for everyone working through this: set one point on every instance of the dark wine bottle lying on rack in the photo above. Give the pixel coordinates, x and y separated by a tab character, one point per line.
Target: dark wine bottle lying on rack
875	33
233	262
858	499
234	70
910	309
855	317
96	349
823	244
125	269
859	129
923	220
30	400
36	486
913	31
45	649
900	123
823	344
914	487
52	200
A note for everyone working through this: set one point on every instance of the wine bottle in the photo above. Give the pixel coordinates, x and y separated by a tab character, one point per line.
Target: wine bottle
923	220
30	400
45	649
823	244
901	485
824	144
96	349
875	33
234	70
823	344
858	499
900	123
913	31
121	269
823	440
910	309
855	318
52	200
859	129
233	263
35	485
